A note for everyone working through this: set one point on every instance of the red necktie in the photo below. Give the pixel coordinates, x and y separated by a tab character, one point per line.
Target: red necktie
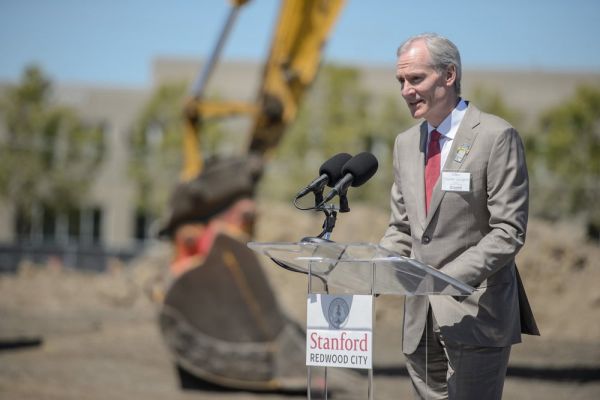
432	166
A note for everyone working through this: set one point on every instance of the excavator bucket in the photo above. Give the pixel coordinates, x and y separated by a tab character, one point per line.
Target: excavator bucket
220	317
222	323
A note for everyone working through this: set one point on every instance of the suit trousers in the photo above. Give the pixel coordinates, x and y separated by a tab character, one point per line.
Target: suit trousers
440	369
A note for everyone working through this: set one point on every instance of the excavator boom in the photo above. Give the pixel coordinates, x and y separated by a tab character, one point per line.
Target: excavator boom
301	31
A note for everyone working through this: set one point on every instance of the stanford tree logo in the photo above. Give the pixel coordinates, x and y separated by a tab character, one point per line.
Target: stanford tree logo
338	312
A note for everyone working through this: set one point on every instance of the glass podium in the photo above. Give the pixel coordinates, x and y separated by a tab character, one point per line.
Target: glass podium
358	269
361	268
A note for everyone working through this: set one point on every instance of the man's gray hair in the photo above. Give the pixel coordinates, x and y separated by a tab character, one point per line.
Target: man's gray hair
443	53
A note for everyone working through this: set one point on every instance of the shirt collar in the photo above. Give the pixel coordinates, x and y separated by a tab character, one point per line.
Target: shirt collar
449	125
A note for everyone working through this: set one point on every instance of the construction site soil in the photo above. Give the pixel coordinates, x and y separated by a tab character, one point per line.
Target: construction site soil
72	335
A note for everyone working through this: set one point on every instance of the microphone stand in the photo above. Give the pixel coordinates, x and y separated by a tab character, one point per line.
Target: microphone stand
330	212
329	222
330	217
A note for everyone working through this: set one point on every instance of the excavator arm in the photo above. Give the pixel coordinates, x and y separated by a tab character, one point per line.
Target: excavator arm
220	317
301	31
300	36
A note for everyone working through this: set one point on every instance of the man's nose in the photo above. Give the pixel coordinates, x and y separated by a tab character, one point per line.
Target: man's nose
407	89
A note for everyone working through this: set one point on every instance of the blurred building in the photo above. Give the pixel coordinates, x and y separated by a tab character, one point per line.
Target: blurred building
110	227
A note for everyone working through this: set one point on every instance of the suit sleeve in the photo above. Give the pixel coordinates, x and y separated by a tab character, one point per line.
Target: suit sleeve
397	237
507	204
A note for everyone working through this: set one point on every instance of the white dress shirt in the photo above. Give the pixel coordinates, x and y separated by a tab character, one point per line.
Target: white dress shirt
448	129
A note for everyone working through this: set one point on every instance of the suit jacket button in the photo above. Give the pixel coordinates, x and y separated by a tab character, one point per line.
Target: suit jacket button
426	239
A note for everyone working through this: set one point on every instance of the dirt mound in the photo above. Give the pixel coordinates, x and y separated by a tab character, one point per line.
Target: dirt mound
98	336
559	267
560	271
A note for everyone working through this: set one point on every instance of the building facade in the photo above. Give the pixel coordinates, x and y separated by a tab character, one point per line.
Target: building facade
110	227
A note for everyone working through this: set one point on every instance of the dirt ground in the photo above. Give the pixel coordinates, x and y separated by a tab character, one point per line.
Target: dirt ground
91	336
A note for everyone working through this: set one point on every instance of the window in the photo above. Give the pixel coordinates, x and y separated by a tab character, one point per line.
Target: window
142	223
45	225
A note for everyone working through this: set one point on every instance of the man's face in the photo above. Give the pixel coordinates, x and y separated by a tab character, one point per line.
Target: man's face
428	93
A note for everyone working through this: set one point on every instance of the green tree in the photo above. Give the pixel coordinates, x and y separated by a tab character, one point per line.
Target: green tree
48	153
389	120
332	119
155	147
338	115
493	103
567	158
156	141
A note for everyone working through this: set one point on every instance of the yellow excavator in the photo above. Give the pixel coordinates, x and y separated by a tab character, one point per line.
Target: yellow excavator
301	31
219	317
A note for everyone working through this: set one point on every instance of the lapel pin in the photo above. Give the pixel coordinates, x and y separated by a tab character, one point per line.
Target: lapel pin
461	152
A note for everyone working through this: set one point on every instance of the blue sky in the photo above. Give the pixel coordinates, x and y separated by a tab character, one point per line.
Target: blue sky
114	41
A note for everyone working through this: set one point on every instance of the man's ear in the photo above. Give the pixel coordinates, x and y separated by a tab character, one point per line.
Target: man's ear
451	75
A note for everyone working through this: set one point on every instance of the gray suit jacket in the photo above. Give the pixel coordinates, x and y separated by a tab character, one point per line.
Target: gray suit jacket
472	236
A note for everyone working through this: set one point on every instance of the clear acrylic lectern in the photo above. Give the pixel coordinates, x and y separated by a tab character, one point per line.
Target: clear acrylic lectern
359	268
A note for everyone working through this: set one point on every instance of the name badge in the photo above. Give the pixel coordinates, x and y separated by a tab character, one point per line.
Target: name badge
456	181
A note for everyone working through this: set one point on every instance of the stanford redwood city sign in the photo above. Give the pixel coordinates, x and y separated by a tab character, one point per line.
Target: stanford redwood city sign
339	331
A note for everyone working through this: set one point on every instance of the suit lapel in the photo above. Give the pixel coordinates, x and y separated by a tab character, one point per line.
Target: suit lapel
461	145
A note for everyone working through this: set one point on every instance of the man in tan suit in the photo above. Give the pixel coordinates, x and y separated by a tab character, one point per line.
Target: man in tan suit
460	204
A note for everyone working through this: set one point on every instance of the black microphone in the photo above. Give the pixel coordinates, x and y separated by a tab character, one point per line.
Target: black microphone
329	173
355	172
